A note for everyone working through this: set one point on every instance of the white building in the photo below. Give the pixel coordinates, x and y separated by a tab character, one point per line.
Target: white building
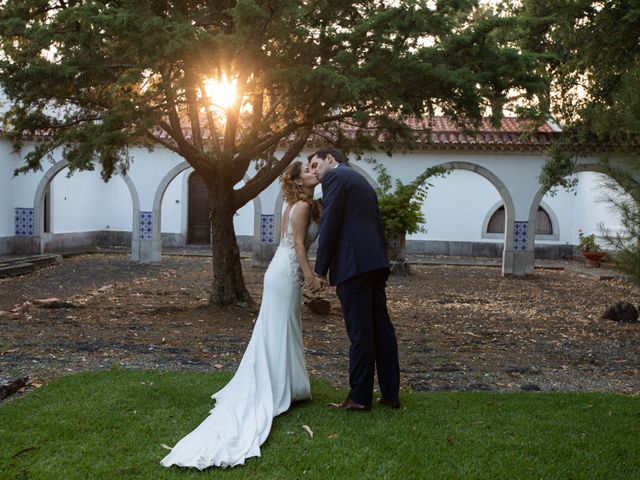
161	202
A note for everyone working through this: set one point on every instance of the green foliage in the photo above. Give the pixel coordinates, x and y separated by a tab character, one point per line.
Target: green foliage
626	243
91	78
593	71
401	205
557	171
98	76
112	424
587	243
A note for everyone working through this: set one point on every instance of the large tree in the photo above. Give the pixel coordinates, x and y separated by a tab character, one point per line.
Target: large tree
98	76
593	69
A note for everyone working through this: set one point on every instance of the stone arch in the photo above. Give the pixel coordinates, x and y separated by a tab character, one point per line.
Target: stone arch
38	207
537	201
156	240
507	256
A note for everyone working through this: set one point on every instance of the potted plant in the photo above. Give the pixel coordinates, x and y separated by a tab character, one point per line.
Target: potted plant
590	249
401	210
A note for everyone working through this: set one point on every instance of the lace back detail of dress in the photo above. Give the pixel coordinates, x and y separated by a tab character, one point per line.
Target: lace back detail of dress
287	238
310	236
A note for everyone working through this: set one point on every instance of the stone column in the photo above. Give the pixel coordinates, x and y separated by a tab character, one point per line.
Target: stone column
146	238
135	236
523	253
264	250
25	240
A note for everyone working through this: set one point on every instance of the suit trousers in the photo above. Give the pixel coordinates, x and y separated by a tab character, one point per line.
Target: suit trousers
372	335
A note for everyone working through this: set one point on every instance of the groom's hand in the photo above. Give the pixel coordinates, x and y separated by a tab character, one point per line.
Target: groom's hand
319	283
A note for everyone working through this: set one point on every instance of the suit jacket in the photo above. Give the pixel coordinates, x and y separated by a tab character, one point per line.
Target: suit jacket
351	233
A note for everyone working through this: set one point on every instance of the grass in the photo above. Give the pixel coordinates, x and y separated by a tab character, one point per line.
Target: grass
103	425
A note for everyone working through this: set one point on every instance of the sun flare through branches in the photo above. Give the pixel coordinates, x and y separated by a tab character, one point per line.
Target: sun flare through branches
221	92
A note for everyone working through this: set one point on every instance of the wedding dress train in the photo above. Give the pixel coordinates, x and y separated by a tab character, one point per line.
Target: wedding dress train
271	374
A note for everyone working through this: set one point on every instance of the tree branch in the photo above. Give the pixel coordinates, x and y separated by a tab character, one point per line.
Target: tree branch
165	143
186	149
192	108
266	175
233	116
213	129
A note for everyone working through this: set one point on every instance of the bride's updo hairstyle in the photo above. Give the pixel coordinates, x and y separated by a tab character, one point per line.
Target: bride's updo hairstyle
293	192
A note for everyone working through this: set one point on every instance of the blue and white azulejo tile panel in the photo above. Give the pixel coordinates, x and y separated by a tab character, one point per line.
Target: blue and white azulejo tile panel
146	225
23	221
520	234
267	228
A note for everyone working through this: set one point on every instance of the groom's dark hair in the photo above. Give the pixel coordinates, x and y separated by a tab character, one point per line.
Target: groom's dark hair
334	152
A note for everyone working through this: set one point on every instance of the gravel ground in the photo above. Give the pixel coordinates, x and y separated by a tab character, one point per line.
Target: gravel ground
458	327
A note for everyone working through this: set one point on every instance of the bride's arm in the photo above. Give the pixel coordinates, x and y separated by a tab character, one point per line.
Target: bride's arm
300	222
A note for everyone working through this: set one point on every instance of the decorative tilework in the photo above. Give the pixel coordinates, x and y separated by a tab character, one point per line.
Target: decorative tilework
23	221
520	234
146	225
267	228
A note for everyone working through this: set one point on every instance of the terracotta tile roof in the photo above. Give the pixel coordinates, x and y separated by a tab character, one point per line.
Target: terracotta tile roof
442	133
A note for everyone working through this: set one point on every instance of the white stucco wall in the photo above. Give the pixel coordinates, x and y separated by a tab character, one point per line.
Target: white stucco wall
7	166
77	202
243	220
116	212
593	211
174	204
25	185
147	171
455	208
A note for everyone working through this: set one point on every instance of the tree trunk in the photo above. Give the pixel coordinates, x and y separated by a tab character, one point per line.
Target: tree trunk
228	285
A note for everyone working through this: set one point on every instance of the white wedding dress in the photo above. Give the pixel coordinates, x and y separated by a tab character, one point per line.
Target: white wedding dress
270	376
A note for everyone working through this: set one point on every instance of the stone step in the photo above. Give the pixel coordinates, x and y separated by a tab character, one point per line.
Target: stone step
16	269
13	266
44	259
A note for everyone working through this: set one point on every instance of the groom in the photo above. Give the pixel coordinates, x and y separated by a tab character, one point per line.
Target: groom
352	249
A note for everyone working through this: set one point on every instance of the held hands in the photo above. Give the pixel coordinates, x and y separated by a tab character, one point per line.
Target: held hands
317	283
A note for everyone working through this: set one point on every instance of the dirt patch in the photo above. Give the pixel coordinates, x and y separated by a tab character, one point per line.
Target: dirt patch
458	327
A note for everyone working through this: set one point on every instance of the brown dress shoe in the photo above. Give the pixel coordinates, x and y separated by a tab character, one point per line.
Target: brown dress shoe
389	403
350	405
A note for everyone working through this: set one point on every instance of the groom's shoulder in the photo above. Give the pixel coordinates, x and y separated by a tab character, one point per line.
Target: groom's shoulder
345	171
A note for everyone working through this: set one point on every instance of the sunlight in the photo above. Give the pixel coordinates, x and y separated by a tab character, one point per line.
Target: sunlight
221	92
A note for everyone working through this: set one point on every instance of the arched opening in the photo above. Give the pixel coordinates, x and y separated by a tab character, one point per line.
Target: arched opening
543	224
70	211
584	208
198	225
455	208
181	213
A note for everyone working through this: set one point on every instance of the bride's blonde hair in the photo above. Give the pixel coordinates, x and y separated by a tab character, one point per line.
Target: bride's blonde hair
293	192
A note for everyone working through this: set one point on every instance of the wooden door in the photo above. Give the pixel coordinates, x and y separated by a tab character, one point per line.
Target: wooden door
199	228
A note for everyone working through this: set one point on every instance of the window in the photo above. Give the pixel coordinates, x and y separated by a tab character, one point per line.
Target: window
496	223
543	222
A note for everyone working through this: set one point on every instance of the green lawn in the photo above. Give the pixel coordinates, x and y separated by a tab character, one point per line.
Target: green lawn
103	425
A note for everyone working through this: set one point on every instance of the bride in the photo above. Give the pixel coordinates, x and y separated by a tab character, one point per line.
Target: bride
272	373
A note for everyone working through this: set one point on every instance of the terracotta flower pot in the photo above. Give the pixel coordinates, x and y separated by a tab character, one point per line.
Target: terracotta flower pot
593	258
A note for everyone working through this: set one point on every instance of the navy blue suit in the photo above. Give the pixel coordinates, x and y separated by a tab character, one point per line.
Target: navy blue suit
352	249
